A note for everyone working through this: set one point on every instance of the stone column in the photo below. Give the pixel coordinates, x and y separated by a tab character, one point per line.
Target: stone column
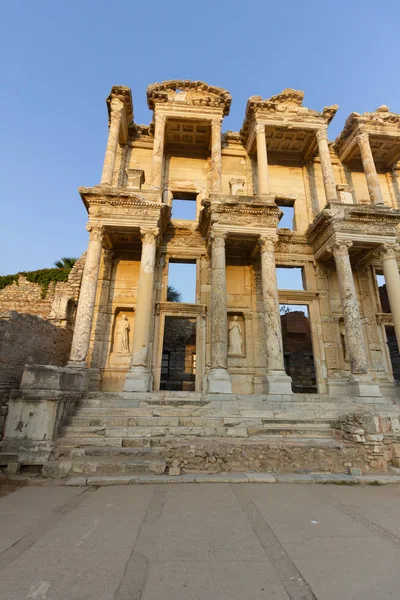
262	160
219	380
158	151
369	168
390	267
216	160
87	296
326	165
351	312
277	381
138	378
117	111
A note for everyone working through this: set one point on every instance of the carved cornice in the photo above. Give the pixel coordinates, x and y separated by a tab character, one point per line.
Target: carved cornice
123	94
284	108
381	117
197	93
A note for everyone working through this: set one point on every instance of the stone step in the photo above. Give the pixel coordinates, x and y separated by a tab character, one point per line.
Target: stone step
118	465
132	452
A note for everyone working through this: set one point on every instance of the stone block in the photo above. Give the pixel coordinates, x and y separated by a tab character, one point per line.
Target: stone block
13	468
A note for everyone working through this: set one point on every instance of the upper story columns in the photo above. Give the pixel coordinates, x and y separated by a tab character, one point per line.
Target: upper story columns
387	254
326	165
262	159
158	150
120	112
216	159
371	175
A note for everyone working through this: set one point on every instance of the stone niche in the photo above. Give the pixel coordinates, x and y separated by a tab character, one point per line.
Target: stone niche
236	335
122	337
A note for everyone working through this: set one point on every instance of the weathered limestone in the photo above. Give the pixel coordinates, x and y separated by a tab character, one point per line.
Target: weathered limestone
117	111
84	315
218	378
138	378
326	165
158	151
352	321
216	159
390	267
277	382
371	175
262	160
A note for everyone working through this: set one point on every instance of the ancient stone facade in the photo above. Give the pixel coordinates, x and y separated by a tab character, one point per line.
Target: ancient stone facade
345	197
235	349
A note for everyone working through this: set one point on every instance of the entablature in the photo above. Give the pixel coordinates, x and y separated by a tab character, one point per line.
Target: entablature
290	127
366	226
383	129
186	93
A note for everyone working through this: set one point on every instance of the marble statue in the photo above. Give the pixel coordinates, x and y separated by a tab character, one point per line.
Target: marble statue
122	335
235	336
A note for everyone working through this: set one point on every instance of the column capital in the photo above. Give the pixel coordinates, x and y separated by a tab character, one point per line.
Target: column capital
387	251
322	133
340	248
259	127
96	231
216	235
149	235
216	122
267	244
362	137
160	118
116	106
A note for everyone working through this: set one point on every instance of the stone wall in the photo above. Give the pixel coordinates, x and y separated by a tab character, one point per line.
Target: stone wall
27	339
26	297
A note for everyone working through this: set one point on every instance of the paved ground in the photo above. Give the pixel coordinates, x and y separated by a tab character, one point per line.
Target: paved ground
200	542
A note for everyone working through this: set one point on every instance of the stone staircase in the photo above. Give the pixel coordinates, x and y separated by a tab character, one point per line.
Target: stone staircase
135	433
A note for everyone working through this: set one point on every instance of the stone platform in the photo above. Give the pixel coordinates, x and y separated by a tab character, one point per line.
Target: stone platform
180	432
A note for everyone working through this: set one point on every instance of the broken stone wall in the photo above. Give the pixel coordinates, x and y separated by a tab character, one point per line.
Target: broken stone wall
27	339
27	297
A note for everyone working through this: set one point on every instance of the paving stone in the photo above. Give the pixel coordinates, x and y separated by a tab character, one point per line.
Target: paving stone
261	478
112	480
222	478
76	481
294	478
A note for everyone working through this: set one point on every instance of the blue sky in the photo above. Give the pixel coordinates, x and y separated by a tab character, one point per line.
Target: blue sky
60	59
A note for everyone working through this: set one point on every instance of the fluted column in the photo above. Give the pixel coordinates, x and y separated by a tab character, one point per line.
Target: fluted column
371	175
216	160
277	381
158	151
390	267
87	296
326	165
262	160
117	110
219	380
138	378
351	313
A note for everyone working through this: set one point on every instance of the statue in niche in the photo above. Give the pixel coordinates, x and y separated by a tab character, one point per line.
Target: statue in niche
235	336
122	335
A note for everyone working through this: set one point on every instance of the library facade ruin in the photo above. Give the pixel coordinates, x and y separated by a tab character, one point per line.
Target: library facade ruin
236	340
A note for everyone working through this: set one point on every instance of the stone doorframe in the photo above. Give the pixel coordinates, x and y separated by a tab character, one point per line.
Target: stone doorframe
180	309
310	299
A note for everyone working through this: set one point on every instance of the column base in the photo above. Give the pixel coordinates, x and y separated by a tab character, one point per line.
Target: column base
277	382
219	382
354	385
138	379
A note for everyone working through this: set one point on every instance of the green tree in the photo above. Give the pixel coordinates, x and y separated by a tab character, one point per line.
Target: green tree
173	295
67	262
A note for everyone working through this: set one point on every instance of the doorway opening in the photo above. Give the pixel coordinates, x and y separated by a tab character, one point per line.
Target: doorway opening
290	278
178	362
393	351
297	348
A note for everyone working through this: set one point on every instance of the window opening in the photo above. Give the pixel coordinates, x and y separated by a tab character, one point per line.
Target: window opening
297	348
181	281
184	206
290	278
178	364
383	296
287	220
393	351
